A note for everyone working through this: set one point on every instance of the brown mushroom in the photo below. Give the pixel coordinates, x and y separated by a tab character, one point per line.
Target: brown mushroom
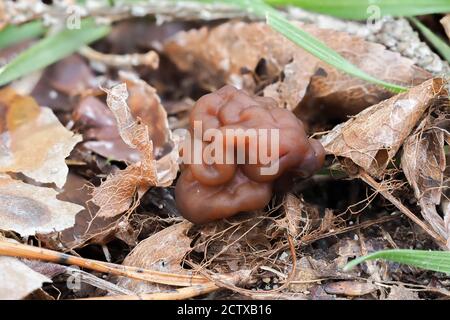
209	191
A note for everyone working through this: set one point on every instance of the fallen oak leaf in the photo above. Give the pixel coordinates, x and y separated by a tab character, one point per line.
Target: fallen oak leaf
27	209
373	137
33	141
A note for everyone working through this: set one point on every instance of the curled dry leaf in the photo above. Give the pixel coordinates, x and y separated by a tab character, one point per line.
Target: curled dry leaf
373	137
115	195
100	220
18	280
252	56
27	209
163	251
33	141
145	104
446	23
100	127
424	163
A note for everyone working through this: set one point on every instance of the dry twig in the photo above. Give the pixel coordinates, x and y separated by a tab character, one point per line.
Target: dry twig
150	59
30	252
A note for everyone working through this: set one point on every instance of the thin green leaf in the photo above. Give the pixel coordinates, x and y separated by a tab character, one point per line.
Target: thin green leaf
322	51
13	34
430	260
306	41
441	46
365	9
52	49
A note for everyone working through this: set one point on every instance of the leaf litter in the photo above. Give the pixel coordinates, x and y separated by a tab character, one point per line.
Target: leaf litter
33	140
118	193
254	57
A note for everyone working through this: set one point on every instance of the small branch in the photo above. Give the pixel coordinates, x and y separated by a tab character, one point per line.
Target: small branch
150	59
379	188
30	252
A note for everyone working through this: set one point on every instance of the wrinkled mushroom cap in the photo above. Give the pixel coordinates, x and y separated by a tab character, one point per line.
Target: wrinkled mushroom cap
208	192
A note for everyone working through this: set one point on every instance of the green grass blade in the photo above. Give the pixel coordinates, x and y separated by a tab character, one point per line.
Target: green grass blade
362	9
322	51
52	49
13	34
430	260
440	45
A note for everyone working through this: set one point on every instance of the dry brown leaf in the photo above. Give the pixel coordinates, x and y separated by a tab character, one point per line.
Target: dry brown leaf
100	128
446	23
163	251
33	141
93	117
18	280
252	55
59	82
88	227
423	162
116	194
145	104
119	191
27	209
373	137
